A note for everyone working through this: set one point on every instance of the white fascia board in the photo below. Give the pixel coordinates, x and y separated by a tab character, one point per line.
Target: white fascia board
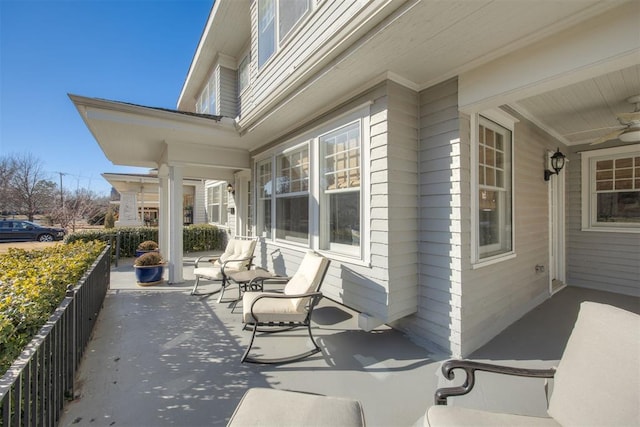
606	43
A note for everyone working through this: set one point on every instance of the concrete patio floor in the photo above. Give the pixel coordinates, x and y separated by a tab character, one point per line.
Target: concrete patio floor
160	356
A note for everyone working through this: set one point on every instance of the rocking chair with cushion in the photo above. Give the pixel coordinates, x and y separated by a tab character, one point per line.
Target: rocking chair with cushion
269	311
597	381
237	256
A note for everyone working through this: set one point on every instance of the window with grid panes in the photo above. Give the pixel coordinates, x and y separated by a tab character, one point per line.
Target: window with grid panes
292	195
494	189
340	212
217	201
616	181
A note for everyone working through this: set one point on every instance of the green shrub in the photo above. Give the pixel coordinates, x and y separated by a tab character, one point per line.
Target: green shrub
109	219
195	238
32	285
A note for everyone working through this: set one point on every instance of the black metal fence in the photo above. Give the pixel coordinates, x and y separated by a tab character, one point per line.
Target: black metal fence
35	388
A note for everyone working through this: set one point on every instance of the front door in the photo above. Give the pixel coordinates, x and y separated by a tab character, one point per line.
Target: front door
557	231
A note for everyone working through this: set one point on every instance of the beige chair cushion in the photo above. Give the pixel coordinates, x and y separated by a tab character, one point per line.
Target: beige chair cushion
597	381
456	416
237	249
270	309
306	279
211	273
269	407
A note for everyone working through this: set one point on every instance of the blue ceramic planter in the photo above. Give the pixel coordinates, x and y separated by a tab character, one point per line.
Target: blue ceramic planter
149	274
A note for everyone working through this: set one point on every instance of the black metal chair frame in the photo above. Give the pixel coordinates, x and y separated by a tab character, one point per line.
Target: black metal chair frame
470	368
225	277
270	327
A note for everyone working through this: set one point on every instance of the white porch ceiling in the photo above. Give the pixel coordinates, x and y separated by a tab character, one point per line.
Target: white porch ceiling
583	112
132	135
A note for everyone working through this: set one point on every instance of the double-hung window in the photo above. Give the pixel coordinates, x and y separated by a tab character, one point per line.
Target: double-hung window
243	74
217	200
611	189
340	190
310	193
292	195
207	100
494	199
276	21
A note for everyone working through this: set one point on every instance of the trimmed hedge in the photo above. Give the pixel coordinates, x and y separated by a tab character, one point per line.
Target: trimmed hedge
32	284
196	238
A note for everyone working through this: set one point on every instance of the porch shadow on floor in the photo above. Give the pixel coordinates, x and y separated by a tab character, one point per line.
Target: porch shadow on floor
160	356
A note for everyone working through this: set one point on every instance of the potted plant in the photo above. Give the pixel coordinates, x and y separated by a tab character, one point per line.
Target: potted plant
149	268
146	246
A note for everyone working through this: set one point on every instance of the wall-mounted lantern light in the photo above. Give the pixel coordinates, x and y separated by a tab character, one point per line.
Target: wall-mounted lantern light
230	189
557	163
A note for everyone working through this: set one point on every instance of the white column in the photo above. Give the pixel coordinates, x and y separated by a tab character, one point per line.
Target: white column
163	209
128	214
176	215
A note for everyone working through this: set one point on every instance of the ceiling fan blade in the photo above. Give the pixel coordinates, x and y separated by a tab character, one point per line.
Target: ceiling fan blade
607	137
627	118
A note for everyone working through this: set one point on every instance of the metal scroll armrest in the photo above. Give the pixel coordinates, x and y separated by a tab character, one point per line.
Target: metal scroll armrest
470	367
224	264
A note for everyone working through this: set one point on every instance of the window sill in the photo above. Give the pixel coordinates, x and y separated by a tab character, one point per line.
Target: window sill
612	229
493	260
336	256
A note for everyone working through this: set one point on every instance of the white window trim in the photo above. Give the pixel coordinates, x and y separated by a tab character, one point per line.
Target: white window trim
508	122
247	57
219	186
281	43
311	137
588	199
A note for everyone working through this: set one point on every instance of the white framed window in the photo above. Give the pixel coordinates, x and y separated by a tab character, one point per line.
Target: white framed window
292	195
216	202
611	189
207	100
243	74
264	194
492	179
276	21
311	192
340	212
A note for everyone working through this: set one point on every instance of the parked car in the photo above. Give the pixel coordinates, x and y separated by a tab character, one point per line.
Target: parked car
22	231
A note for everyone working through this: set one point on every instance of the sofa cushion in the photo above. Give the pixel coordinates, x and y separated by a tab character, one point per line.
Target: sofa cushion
307	278
270	309
457	416
597	380
269	407
211	273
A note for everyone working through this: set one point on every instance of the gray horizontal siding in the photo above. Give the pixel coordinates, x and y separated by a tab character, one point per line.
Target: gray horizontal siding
228	92
402	155
311	36
603	261
385	289
437	321
496	295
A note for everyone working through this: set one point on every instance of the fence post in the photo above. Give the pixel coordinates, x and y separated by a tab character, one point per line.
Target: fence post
118	239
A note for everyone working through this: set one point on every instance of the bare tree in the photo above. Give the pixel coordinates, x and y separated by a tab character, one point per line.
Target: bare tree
31	192
7	169
79	205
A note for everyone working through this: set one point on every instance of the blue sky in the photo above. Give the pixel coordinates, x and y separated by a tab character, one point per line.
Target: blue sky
136	51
